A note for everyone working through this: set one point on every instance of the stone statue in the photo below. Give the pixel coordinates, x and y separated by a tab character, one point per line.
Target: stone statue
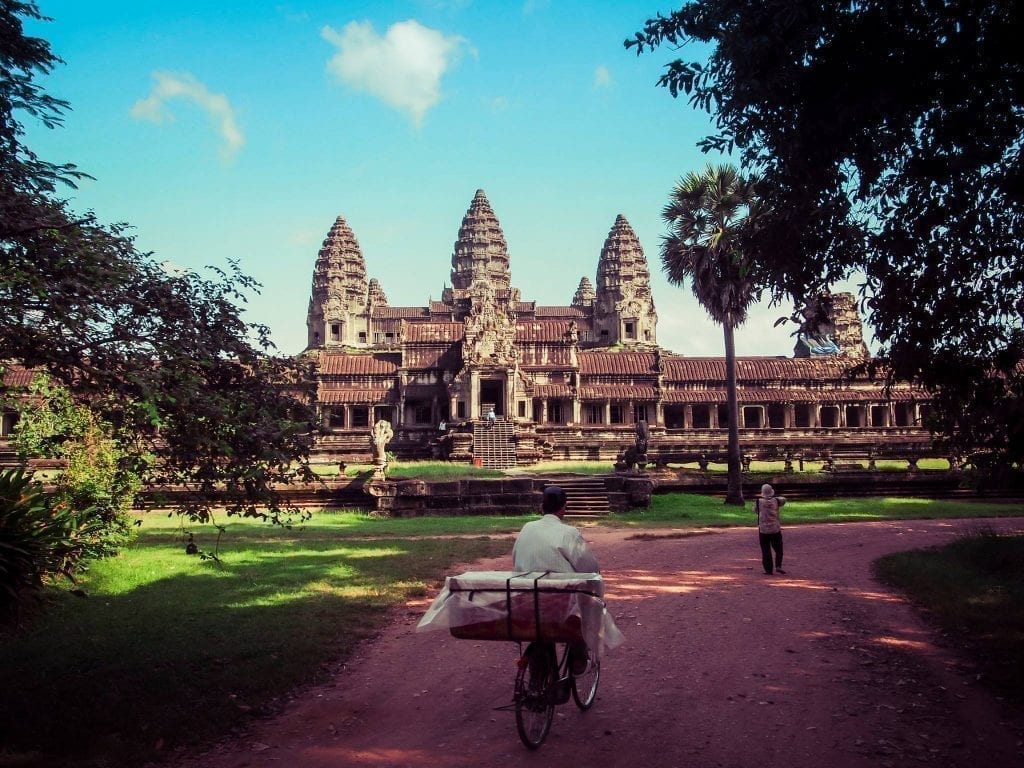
635	456
379	438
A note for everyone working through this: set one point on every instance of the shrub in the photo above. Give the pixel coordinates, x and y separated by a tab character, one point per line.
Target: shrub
39	539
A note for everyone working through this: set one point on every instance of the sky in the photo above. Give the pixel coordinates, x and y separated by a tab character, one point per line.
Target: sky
240	130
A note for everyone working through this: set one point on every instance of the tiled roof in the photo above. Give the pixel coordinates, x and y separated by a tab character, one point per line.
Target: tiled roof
18	377
436	332
391	313
541	330
551	390
560	311
356	364
358	396
755	368
754	395
440	308
616	363
617	392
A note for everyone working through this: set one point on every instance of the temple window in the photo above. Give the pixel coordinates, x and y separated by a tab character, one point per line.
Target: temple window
674	417
7	423
390	337
647	335
595	414
362	337
378	337
604	335
422	413
904	415
723	416
640	413
521	409
701	417
753	417
829	416
360	416
776	416
336	419
854	416
382	412
460	409
879	416
617	416
335	332
802	415
630	330
555	412
925	412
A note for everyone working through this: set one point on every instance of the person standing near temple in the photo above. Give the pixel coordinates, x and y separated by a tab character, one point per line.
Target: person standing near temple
769	528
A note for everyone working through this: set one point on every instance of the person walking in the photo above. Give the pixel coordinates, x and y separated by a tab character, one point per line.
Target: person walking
769	529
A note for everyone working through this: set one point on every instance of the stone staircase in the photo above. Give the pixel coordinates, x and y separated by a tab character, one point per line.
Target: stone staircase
585	496
495	446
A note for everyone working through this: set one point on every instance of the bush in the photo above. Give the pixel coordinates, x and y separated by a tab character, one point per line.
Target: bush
39	539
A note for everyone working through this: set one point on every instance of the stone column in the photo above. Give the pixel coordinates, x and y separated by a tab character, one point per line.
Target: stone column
687	417
325	418
474	395
789	419
607	411
544	411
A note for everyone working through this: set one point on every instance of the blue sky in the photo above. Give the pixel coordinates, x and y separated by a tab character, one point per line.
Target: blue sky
241	130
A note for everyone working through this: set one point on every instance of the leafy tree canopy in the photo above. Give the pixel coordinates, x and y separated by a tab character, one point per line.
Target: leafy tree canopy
166	359
888	135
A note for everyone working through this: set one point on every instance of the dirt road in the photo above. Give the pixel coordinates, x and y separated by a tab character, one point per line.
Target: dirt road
722	666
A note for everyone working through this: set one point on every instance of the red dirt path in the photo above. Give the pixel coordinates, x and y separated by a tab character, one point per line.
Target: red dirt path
722	666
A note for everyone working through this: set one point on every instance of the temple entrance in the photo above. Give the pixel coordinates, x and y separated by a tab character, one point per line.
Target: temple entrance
492	393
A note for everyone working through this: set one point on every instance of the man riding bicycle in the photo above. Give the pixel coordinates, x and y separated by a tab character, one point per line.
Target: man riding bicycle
549	544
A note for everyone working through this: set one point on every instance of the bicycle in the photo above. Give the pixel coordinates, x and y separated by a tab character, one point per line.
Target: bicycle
544	681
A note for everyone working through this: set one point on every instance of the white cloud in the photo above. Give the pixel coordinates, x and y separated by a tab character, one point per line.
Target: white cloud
602	77
403	68
170	86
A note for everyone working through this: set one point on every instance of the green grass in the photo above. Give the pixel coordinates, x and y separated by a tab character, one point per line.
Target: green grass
678	510
974	589
169	649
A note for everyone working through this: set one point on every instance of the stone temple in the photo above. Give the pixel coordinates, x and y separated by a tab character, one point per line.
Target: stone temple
571	381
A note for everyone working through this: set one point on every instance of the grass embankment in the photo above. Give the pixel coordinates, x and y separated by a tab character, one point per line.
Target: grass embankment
974	589
171	651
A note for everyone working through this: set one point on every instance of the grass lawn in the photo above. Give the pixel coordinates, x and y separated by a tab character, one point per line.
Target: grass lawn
974	588
170	649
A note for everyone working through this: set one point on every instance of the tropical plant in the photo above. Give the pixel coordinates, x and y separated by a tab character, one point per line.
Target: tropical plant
98	473
40	538
711	216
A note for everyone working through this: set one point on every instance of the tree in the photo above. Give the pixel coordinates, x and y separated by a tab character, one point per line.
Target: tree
711	218
166	360
888	135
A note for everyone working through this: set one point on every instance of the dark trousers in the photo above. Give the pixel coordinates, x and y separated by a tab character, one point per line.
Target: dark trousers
770	541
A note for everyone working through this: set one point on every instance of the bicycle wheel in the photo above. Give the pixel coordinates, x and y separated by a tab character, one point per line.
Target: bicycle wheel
584	686
535	682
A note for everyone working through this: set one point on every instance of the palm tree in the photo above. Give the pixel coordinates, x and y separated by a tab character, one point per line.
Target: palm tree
711	216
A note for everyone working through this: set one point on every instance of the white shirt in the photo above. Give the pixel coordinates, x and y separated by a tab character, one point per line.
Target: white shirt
549	544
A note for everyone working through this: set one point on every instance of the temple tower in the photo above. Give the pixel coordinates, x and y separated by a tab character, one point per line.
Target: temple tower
584	297
624	307
339	303
480	251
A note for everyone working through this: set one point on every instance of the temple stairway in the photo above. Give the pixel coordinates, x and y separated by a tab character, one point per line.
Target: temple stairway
495	445
585	496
